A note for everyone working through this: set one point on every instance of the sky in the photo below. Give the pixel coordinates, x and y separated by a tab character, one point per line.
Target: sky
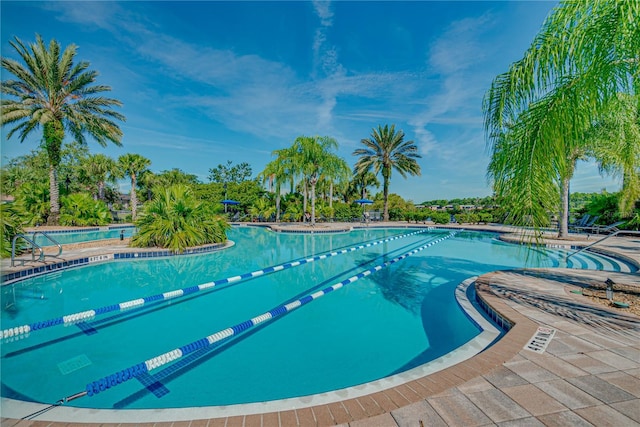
204	82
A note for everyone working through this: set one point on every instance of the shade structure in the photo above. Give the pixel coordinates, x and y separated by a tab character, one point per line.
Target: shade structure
227	202
364	201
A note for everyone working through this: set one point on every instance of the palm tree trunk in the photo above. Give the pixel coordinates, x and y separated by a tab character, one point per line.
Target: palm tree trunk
313	203
53	136
385	177
331	194
134	198
54	197
101	190
563	231
305	197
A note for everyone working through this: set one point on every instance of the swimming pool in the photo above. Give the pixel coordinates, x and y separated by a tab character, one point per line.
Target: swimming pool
388	322
65	237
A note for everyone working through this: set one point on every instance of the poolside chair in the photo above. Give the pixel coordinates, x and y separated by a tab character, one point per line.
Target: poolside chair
590	223
582	222
598	229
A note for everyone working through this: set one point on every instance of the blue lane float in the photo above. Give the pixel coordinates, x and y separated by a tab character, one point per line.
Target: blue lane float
83	316
143	368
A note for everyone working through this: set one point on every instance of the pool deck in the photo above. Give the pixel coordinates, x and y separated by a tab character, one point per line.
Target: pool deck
588	375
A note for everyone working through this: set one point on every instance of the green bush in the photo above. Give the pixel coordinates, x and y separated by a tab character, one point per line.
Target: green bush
344	212
11	221
176	220
485	217
440	217
467	218
396	214
80	209
32	199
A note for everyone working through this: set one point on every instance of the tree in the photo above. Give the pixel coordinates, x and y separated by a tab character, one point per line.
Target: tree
175	176
131	165
384	151
230	173
337	172
538	113
362	181
276	173
53	92
615	140
313	157
147	181
100	169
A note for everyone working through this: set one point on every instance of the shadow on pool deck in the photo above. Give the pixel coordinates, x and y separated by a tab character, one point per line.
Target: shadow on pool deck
588	375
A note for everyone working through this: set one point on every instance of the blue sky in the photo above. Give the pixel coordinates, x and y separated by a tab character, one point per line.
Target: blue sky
204	82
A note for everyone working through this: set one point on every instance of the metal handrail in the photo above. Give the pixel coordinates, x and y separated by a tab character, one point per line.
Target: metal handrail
34	245
604	238
51	239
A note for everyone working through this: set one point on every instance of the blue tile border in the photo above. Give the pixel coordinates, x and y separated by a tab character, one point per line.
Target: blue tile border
82	230
10	278
47	268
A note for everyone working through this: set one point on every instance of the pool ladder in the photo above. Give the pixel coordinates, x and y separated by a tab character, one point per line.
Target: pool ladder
32	241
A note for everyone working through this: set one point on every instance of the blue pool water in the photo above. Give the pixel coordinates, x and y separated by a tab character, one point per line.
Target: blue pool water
65	238
396	319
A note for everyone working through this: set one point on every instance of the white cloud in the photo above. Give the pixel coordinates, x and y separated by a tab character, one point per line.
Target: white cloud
324	12
459	48
455	57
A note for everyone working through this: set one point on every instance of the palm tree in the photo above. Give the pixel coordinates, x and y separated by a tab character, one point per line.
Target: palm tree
148	181
132	165
100	168
177	220
314	158
538	113
387	150
361	181
53	92
615	140
276	172
337	172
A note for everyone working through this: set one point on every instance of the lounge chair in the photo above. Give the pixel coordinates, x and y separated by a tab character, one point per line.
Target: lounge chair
598	229
590	223
582	222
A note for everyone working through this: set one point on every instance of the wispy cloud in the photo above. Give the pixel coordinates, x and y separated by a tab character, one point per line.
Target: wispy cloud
455	58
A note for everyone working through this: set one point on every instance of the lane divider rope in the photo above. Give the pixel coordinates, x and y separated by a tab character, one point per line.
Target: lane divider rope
119	377
83	316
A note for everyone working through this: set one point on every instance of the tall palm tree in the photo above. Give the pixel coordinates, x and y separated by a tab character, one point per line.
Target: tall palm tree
132	165
583	56
384	151
337	172
314	157
101	169
276	172
53	92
